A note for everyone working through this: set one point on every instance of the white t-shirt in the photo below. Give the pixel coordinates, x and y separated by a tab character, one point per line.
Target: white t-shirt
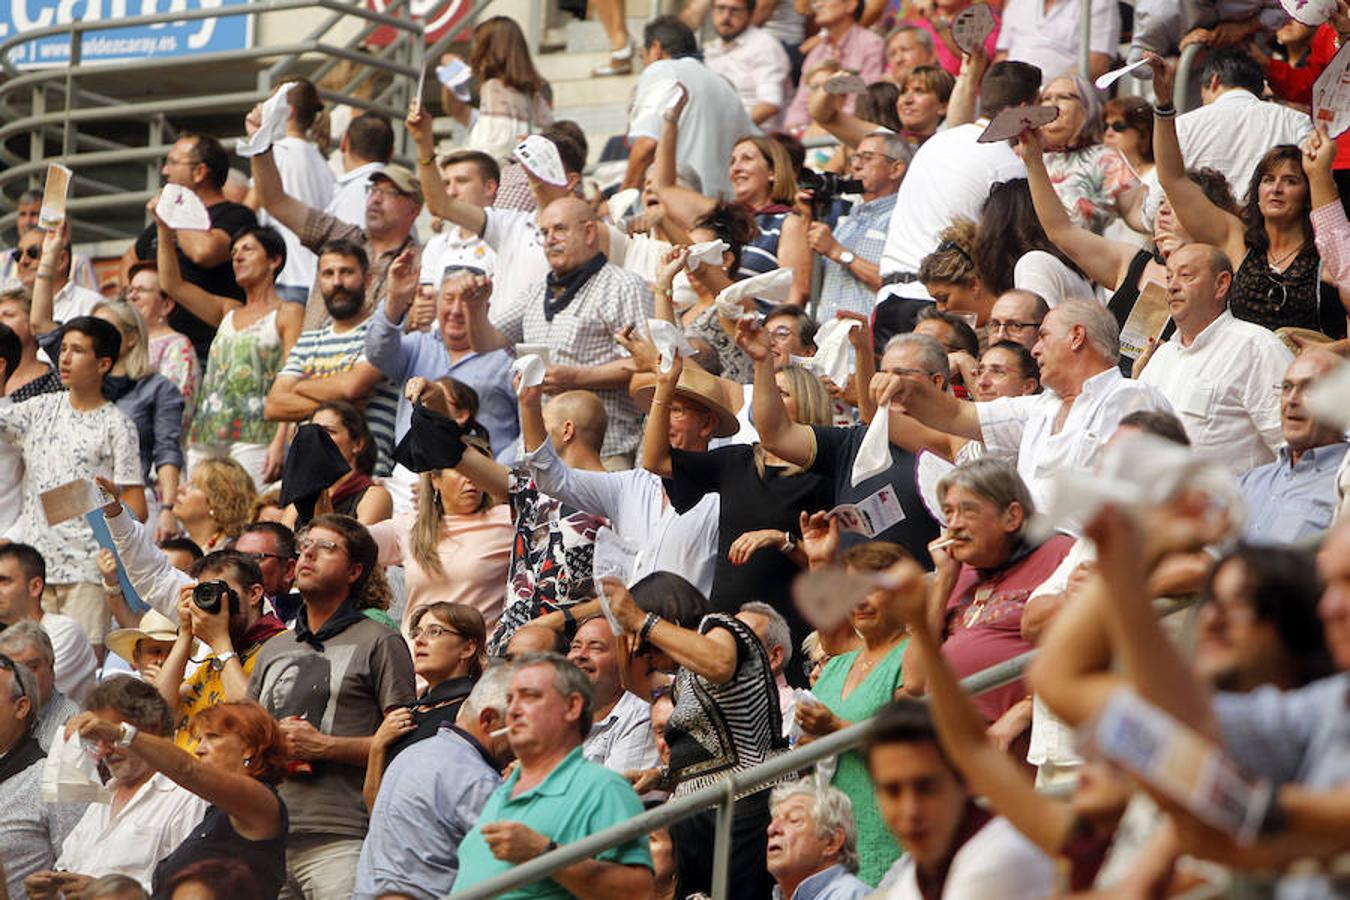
514	236
450	246
712	121
950	176
1043	274
349	194
997	862
11	484
1226	388
73	300
75	660
306	177
1049	39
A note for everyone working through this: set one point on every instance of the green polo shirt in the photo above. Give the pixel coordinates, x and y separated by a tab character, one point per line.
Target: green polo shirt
578	798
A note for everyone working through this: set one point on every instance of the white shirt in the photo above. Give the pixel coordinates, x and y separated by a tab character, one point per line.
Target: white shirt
451	247
148	569
1022	428
949	176
1043	274
1053	740
1231	134
159	817
623	740
712	122
11	485
520	262
997	862
349	194
306	177
1049	39
1226	388
73	300
75	660
637	508
756	65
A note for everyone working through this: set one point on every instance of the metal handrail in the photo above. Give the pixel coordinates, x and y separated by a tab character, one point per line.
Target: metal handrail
1181	87
56	120
718	795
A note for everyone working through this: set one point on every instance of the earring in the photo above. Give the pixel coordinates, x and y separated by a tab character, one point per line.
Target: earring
436	497
211	513
248	761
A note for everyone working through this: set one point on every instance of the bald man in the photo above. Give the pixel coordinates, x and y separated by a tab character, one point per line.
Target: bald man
576	311
1016	316
1294	497
551	555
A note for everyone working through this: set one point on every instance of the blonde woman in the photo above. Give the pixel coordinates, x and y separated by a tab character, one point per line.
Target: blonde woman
153	404
170	352
215	503
456	545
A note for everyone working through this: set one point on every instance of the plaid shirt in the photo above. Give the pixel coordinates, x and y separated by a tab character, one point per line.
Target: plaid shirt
862	231
583	335
319	229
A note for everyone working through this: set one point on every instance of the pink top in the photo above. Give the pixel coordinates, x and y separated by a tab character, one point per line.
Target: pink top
475	553
946	58
1331	234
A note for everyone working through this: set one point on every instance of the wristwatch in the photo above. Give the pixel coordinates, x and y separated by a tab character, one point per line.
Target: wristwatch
223	658
128	734
846	258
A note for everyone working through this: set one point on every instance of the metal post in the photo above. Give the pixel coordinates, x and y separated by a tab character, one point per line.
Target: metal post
726	810
1084	37
1181	87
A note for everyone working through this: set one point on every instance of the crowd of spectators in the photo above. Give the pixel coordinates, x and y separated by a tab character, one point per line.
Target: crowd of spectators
404	557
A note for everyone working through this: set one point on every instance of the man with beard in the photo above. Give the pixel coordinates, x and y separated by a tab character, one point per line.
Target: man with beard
329	363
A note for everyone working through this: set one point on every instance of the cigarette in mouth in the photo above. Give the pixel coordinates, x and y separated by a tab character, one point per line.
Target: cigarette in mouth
500	732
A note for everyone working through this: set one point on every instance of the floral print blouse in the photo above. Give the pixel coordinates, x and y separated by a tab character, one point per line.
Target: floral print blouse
1089	181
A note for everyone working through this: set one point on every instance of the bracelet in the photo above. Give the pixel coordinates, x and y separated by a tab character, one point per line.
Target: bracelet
647	625
428	161
44	272
112	590
1166	111
656	402
659	291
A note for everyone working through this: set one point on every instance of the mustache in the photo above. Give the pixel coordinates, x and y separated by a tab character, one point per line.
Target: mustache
345	297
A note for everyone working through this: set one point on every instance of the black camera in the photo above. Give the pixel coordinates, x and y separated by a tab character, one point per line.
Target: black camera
825	187
210	594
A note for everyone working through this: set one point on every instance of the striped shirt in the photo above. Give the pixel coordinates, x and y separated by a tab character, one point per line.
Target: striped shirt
761	254
322	353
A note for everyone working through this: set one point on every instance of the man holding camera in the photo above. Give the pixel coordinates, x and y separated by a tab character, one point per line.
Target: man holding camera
852	251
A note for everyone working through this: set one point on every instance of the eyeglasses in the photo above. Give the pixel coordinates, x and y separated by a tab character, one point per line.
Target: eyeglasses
326	547
1119	126
386	192
1009	325
7	663
866	156
1278	292
782	333
259	557
430	632
33	251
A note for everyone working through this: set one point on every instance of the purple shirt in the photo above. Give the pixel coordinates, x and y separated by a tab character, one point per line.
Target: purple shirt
860	51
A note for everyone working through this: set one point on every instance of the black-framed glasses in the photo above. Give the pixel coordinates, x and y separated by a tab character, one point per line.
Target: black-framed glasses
1278	292
1119	126
1009	325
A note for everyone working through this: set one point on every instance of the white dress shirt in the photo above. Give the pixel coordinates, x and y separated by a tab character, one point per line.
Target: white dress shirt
756	65
159	817
349	194
305	175
638	510
950	176
75	660
1049	38
623	740
73	300
1022	428
1226	389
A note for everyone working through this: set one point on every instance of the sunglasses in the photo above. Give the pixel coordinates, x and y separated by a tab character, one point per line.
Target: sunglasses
33	251
1278	292
1119	126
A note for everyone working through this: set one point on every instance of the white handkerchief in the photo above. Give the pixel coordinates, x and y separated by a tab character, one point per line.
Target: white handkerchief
273	128
614	556
1107	79
455	75
929	469
70	776
706	253
670	341
774	286
874	456
540	158
620	204
1329	399
832	350
182	210
531	371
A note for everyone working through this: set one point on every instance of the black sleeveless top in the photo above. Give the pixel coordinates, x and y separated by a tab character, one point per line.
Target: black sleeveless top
1123	300
1295	297
215	838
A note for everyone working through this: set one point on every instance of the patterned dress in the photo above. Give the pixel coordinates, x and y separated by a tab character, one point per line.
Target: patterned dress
239	372
1089	181
551	557
172	356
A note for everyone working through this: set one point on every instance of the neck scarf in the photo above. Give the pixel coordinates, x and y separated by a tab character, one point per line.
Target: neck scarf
559	290
20	757
342	618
